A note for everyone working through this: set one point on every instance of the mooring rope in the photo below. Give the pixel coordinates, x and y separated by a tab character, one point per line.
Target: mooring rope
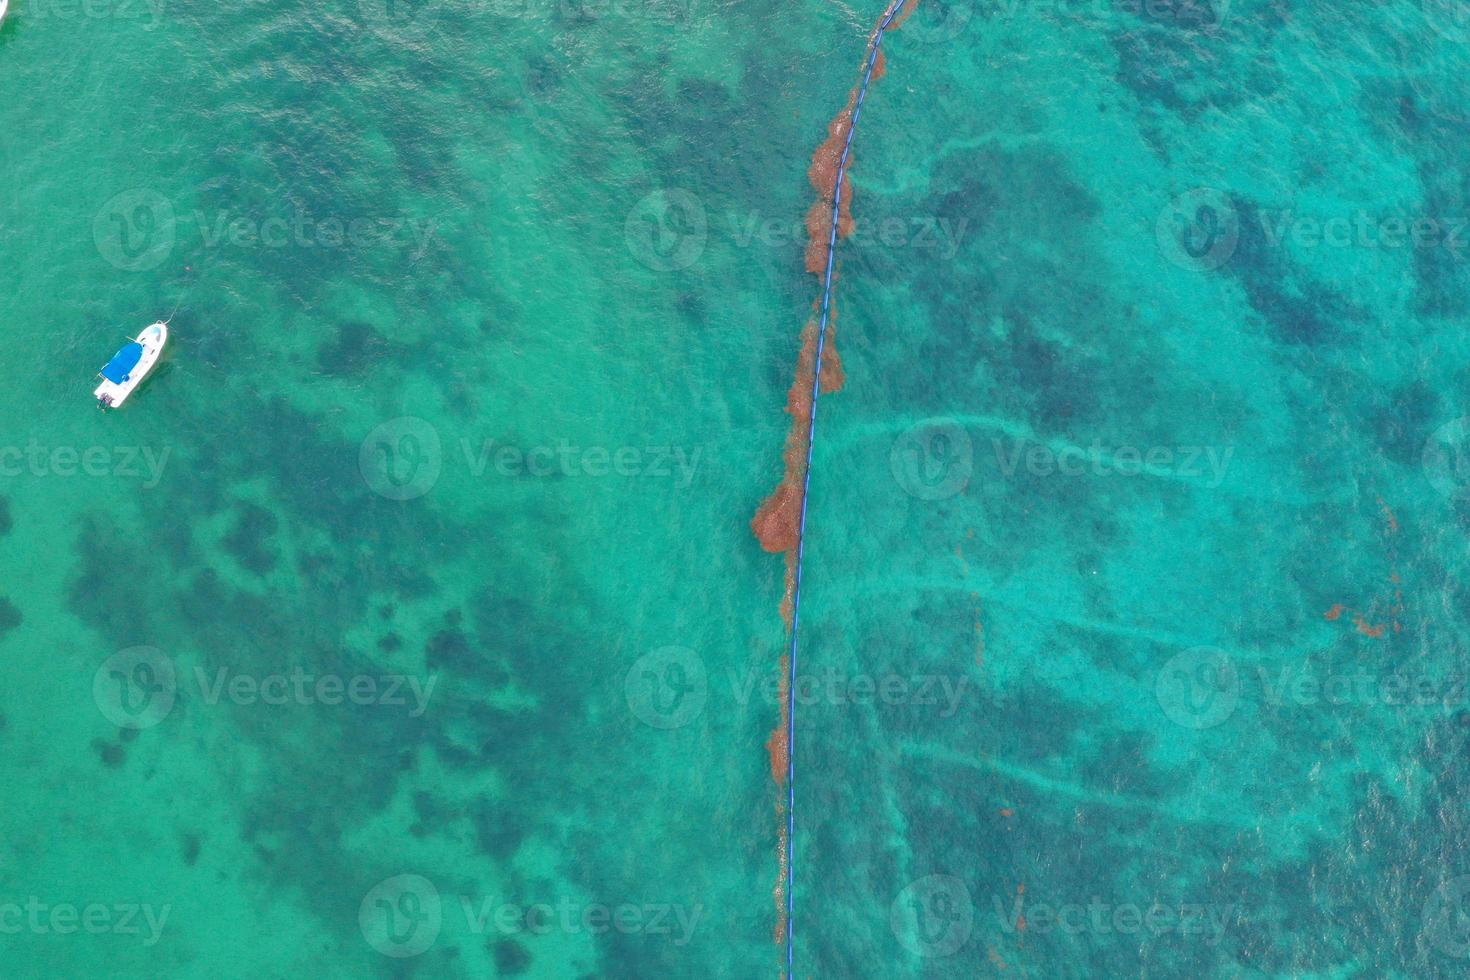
811	437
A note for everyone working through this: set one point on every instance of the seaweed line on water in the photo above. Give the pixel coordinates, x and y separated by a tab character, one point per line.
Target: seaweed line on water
780	521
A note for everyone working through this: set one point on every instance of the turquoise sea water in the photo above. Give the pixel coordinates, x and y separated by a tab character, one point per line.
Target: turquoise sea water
408	621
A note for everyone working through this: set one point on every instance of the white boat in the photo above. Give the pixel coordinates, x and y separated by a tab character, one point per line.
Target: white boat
4	5
130	366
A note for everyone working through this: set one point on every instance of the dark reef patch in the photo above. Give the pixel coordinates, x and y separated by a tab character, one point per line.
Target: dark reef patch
1392	857
511	958
1399	425
1440	265
250	540
431	814
450	649
112	754
1179	58
323	775
497	829
356	348
332	771
10	616
1299	310
692	306
1051	350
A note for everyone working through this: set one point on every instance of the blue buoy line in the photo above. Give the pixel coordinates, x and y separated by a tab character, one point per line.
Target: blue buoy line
811	437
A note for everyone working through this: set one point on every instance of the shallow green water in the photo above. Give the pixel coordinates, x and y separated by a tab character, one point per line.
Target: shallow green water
408	623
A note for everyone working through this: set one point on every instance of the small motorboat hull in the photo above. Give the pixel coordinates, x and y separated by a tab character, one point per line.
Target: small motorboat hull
126	371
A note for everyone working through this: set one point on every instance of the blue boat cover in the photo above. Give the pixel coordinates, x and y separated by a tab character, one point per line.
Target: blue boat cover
121	366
